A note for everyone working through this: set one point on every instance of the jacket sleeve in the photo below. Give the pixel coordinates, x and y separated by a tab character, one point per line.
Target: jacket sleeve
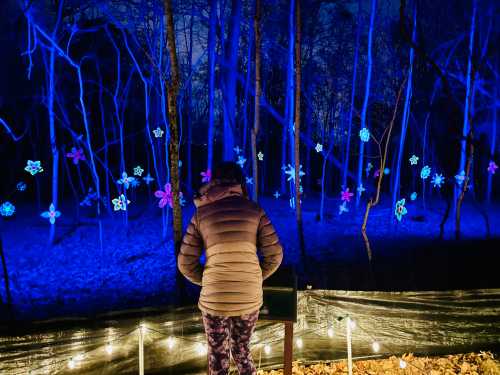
188	259
269	245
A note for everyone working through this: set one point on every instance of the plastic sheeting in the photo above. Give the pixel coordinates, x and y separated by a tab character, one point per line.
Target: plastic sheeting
428	323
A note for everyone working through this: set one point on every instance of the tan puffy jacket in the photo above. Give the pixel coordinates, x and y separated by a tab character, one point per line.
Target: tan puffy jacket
230	228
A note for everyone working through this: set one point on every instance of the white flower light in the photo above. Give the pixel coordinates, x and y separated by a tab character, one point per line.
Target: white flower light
402	363
330	332
376	346
71	364
170	342
299	343
267	349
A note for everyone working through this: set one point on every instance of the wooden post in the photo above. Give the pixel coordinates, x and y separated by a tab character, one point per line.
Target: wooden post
288	349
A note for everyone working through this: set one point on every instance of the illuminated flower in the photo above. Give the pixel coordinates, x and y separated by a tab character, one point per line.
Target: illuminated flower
345	195
138	171
437	180
343	208
33	167
241	161
260	156
387	171
364	135
237	149
290	171
319	147
360	189
158	132
376	173
148	179
413	160
21	186
51	214
276	194
492	167
368	168
400	210
460	178
7	209
206	176
249	180
125	180
413	196
135	183
166	196
76	155
91	196
120	203
425	172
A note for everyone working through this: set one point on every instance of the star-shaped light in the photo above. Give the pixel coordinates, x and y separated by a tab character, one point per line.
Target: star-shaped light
237	149
33	167
364	135
260	156
120	203
148	179
52	214
343	208
492	167
249	180
158	132
276	194
241	161
400	209
290	171
360	189
414	160
319	147
138	171
345	195
437	180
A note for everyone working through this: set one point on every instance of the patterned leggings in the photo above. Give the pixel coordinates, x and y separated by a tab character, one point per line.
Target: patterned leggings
230	335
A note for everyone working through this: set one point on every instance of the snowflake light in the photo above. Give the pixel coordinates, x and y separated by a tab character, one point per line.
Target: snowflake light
120	203
21	186
276	194
400	210
138	171
364	135
425	172
237	149
319	147
241	161
158	132
460	178
343	208
290	171
413	196
345	195
76	155
125	180
414	160
52	214
437	180
148	179
206	176
33	167
7	209
260	156
360	189
249	180
492	167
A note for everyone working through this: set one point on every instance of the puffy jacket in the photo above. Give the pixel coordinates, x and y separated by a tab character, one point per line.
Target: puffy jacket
230	228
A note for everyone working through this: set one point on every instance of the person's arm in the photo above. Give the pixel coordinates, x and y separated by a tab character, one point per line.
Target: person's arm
188	259
269	245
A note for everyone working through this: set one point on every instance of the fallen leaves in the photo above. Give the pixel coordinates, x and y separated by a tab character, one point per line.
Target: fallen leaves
463	364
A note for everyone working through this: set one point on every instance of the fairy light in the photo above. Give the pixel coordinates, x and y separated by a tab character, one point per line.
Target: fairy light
375	346
71	364
353	324
201	348
267	349
142	327
402	363
109	348
170	342
299	343
330	332
79	357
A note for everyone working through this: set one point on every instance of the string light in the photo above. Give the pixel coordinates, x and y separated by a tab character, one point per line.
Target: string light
170	342
142	327
353	324
71	364
299	343
402	363
109	348
201	348
376	346
329	332
267	349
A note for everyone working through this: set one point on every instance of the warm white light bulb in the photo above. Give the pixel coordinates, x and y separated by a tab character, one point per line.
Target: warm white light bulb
329	332
109	349
201	349
376	346
71	364
402	363
267	349
79	357
170	342
143	328
352	323
299	343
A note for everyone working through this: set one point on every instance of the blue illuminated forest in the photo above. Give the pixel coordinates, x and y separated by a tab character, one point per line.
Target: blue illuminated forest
367	130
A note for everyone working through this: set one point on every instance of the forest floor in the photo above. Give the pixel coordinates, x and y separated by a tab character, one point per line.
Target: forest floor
471	363
136	267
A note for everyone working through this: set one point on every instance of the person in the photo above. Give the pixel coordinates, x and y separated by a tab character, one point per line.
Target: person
230	228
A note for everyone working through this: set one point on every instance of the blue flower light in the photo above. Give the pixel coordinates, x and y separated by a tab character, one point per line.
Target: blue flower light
7	209
21	186
33	167
400	210
413	196
364	135
51	214
425	172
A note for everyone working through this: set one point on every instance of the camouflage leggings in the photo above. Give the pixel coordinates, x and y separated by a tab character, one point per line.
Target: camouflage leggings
230	335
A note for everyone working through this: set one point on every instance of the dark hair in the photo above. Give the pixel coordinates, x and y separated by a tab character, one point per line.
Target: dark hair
229	171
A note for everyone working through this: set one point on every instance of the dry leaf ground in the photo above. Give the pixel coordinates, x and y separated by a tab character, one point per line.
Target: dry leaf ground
471	363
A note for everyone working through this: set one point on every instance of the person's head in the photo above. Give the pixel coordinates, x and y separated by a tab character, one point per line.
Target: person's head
228	172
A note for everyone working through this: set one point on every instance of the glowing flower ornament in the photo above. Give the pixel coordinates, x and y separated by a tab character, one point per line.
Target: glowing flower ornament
241	161
237	149
33	167
249	180
21	186
290	171
368	168
89	198
138	171
76	155
460	178
206	176
400	210
364	135
158	132
413	196
414	160
492	167
425	172
135	183
125	180
343	208
345	195
276	194
387	171
376	173
7	209
319	147
120	203
166	196
148	179
360	189
260	156
437	180
52	214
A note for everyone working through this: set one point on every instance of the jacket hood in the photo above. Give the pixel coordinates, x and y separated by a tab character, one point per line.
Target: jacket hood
216	190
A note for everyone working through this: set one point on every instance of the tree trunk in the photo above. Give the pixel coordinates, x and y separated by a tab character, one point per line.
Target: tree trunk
256	125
